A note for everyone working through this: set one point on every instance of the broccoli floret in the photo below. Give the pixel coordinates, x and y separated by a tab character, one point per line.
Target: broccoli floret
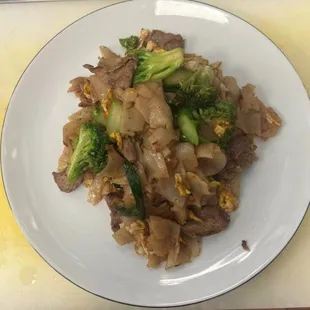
195	102
222	110
75	143
157	66
90	152
203	77
196	91
130	44
195	97
221	117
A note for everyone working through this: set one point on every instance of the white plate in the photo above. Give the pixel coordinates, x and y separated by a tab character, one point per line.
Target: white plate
75	238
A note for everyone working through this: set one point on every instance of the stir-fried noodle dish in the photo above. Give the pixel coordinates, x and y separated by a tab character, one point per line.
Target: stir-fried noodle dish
163	137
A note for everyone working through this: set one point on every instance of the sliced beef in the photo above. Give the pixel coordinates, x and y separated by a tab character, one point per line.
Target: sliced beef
167	41
115	221
241	151
213	218
240	154
114	201
210	201
115	72
60	179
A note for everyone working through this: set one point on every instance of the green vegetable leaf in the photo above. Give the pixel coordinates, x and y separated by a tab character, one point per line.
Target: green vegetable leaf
130	44
128	211
136	188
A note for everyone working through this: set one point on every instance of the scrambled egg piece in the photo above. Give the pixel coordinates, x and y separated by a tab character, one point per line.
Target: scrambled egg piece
228	201
220	127
138	231
193	217
87	182
150	46
272	118
159	50
181	185
182	241
106	102
86	89
153	47
116	136
188	58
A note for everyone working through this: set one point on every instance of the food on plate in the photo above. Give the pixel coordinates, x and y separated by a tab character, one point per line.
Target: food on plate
164	137
245	246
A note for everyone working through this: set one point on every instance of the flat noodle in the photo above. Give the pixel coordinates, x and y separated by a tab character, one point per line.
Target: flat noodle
64	159
115	165
122	236
71	131
254	118
84	115
99	187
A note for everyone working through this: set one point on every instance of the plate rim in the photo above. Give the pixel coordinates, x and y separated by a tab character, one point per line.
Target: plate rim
20	226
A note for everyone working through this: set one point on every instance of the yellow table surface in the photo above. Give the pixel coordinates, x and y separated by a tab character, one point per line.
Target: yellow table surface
26	281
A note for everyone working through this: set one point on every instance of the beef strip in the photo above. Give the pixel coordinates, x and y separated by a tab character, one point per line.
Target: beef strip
214	220
241	151
240	155
209	200
60	179
115	221
167	41
115	72
114	201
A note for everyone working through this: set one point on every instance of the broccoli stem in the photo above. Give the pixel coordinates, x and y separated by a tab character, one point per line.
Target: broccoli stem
179	76
188	126
98	115
114	117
